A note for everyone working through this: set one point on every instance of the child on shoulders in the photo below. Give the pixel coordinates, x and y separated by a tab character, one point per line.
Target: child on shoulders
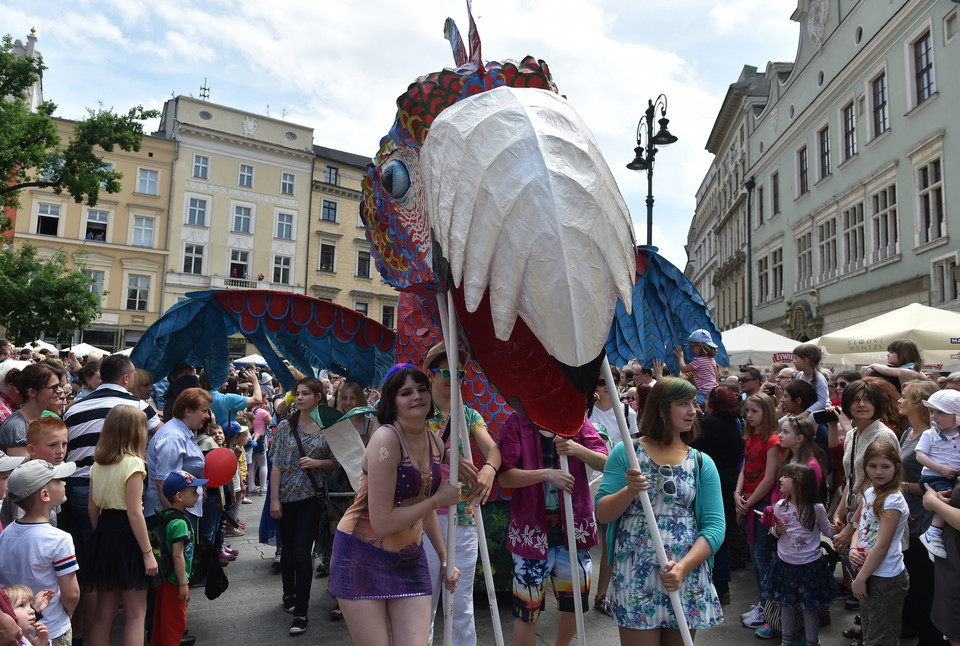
706	376
938	451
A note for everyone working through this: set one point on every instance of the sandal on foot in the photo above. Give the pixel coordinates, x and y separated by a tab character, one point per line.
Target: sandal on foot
602	604
335	613
851	633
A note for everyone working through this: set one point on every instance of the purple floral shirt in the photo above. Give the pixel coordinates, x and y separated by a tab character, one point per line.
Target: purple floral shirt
520	448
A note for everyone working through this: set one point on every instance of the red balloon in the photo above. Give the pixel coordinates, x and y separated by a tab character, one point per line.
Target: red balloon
219	467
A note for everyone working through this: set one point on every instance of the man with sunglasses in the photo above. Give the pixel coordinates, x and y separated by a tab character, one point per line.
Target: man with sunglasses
477	485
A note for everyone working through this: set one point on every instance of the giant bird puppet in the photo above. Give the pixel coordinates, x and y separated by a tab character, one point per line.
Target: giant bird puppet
490	195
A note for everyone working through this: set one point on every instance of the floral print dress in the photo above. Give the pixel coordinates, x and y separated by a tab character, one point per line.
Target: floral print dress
639	600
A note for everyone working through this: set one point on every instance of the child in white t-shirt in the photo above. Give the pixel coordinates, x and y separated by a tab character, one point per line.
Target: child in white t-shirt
36	554
881	583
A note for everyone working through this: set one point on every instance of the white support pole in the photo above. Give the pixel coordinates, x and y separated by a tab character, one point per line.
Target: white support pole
574	561
448	323
647	508
482	540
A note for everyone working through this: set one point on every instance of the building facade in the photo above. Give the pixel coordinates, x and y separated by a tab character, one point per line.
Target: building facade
122	240
717	242
341	268
847	154
240	200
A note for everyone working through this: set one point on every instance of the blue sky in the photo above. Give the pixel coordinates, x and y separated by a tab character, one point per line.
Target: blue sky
338	66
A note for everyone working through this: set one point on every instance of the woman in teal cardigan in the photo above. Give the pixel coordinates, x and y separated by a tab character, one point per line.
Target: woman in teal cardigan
684	489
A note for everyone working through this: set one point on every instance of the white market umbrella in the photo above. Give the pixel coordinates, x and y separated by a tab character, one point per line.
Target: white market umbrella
125	352
84	349
749	344
935	331
38	345
252	358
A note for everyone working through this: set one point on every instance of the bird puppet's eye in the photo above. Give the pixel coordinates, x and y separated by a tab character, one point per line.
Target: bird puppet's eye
395	178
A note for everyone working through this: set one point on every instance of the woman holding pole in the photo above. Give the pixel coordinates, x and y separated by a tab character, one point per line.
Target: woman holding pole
379	568
684	488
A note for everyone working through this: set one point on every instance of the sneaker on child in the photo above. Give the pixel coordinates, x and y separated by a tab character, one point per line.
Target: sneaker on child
753	618
932	539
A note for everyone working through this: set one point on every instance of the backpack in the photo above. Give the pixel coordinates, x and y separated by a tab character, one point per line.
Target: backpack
158	540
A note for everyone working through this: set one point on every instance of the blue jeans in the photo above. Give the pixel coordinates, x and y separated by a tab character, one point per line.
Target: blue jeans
210	521
721	568
298	523
761	550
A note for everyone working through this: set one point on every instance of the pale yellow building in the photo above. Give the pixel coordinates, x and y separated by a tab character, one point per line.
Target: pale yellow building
240	203
123	238
341	268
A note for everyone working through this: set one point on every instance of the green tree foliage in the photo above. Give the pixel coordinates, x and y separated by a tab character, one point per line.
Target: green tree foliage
31	154
40	296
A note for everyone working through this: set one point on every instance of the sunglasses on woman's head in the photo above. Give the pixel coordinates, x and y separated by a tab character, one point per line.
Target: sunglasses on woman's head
601	383
445	373
842	384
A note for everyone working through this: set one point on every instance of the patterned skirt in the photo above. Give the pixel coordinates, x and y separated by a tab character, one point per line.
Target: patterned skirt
809	586
359	570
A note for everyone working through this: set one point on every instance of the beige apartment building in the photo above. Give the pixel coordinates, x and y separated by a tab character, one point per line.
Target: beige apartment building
122	239
341	268
240	202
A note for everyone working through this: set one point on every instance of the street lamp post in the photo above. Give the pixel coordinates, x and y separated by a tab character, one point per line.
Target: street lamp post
645	154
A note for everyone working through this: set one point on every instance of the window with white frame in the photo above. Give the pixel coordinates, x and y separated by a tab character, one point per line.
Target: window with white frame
197	212
884	225
763	279
138	292
287	183
239	263
823	140
827	248
878	104
98	277
147	181
106	168
854	245
943	280
48	219
328	257
930	201
241	219
363	264
329	211
246	176
775	193
387	315
923	81
803	172
281	270
142	231
201	166
97	225
849	117
331	175
759	204
776	273
804	261
361	307
193	258
285	226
